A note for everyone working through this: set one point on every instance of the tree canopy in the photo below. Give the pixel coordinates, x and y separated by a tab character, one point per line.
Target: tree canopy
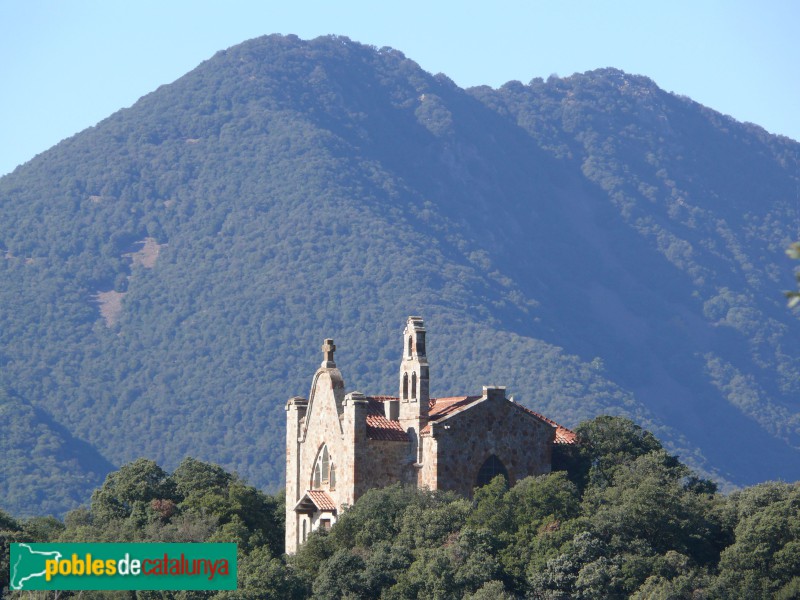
637	523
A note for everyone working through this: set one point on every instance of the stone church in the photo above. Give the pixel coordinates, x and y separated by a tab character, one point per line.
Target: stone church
340	445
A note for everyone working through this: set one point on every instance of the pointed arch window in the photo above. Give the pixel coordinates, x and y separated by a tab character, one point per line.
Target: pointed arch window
317	476
323	469
409	346
490	469
405	386
414	384
332	478
326	461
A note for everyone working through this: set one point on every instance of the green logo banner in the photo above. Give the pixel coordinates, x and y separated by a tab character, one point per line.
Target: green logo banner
123	567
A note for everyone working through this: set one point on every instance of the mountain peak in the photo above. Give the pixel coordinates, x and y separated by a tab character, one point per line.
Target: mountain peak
595	244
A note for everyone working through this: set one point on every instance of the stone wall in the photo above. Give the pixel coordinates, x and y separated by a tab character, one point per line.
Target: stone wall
324	423
295	413
496	426
384	463
427	476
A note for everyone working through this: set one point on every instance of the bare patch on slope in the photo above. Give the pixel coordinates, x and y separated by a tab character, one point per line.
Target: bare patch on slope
110	304
147	255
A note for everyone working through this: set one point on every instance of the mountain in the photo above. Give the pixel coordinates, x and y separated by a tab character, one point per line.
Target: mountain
594	243
44	469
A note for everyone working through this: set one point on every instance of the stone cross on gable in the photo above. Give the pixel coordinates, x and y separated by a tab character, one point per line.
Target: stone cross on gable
328	348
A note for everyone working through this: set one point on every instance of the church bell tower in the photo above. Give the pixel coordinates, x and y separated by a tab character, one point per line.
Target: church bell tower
414	377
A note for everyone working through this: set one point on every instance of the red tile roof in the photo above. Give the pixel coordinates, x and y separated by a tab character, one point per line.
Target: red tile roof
315	500
563	435
442	407
322	500
439	408
378	426
381	428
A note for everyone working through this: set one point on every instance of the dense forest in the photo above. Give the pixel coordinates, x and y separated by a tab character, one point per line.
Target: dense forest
594	243
625	520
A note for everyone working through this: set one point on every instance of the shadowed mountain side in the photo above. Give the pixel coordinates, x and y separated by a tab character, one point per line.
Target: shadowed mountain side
301	190
44	469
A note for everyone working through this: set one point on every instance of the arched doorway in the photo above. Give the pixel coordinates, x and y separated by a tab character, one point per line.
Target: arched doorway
490	469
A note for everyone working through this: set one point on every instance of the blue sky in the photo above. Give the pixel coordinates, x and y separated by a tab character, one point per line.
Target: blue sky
68	64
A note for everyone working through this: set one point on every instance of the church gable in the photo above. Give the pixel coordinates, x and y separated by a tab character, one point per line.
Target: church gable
319	462
325	398
493	403
468	433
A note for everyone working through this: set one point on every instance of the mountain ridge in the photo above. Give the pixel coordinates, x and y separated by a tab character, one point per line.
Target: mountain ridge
301	190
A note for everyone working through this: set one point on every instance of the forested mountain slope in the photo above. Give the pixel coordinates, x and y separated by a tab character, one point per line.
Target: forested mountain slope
43	468
593	243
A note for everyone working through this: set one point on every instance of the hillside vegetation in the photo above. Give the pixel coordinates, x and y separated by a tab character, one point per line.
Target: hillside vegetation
592	242
626	520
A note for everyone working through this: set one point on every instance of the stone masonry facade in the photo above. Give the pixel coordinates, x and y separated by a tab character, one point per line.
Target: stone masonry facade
339	445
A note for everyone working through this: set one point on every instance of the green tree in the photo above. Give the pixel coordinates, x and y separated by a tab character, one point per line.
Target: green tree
42	529
376	517
262	575
310	555
130	490
674	578
491	590
605	444
491	508
341	577
764	558
546	513
648	501
10	532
